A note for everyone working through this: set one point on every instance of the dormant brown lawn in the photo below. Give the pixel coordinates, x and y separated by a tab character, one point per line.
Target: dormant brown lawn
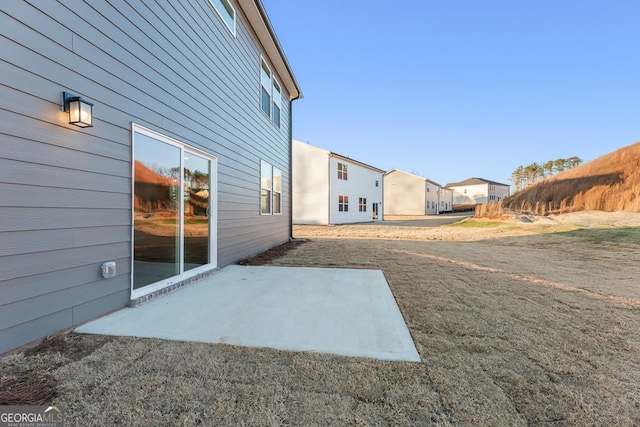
532	326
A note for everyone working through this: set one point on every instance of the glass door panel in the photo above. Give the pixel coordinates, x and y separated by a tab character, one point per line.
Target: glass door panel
197	186
156	251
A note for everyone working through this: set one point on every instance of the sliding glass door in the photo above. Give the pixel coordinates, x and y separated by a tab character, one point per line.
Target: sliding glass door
197	238
173	231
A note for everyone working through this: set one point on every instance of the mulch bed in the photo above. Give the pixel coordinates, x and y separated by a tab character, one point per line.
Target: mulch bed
271	254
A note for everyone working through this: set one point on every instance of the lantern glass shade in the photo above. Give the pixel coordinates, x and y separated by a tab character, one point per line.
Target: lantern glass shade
80	111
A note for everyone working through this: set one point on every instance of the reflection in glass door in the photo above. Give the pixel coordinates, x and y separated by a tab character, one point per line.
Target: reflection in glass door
172	230
196	210
156	236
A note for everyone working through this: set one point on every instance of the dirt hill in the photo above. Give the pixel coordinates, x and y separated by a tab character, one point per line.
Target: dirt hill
144	174
609	183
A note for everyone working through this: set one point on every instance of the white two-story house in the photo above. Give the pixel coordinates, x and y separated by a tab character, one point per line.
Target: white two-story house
329	188
477	191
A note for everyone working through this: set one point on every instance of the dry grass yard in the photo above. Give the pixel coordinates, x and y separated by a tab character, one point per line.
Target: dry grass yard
532	322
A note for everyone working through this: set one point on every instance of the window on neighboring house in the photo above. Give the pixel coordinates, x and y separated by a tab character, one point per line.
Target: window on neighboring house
277	103
376	182
342	171
226	11
277	191
343	203
362	204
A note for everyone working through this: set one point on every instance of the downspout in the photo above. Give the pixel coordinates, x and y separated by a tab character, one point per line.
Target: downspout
329	187
381	213
291	238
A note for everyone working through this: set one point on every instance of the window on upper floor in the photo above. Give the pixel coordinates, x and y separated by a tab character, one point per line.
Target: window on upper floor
226	12
277	103
342	171
270	93
265	83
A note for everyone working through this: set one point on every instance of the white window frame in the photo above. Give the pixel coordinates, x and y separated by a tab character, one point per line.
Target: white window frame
362	204
266	86
221	14
213	214
343	203
272	189
265	165
343	171
275	95
276	172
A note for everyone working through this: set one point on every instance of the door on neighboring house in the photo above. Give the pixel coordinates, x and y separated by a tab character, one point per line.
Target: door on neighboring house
374	210
174	211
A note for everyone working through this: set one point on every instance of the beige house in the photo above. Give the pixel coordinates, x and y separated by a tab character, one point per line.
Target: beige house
477	191
409	194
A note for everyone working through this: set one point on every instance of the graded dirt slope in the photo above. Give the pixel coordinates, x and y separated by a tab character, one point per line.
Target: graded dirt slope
609	183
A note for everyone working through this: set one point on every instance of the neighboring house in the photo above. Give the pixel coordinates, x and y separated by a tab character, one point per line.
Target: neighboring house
446	199
477	191
332	189
432	197
181	166
409	194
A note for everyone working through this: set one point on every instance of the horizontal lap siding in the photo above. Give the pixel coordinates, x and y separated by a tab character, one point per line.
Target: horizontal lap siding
171	66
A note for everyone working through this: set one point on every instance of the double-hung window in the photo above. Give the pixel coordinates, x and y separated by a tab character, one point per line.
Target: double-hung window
270	189
265	83
342	171
277	103
362	204
270	94
226	11
277	191
343	203
266	187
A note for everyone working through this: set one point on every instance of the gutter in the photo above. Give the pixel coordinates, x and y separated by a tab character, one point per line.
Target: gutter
278	46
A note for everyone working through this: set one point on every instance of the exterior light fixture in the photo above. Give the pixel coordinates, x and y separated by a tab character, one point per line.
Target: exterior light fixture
80	111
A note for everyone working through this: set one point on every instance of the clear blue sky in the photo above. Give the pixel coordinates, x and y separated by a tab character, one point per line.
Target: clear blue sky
453	89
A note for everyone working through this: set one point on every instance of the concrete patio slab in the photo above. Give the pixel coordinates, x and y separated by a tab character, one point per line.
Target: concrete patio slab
340	311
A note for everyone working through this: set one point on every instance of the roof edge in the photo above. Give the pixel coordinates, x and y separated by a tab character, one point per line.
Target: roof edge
349	159
259	20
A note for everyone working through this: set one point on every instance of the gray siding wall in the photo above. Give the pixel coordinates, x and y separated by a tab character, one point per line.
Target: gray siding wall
65	192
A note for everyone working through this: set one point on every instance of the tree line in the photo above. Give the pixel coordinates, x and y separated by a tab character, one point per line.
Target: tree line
527	175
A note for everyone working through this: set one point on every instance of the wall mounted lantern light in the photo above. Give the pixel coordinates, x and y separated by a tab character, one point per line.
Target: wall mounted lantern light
80	111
